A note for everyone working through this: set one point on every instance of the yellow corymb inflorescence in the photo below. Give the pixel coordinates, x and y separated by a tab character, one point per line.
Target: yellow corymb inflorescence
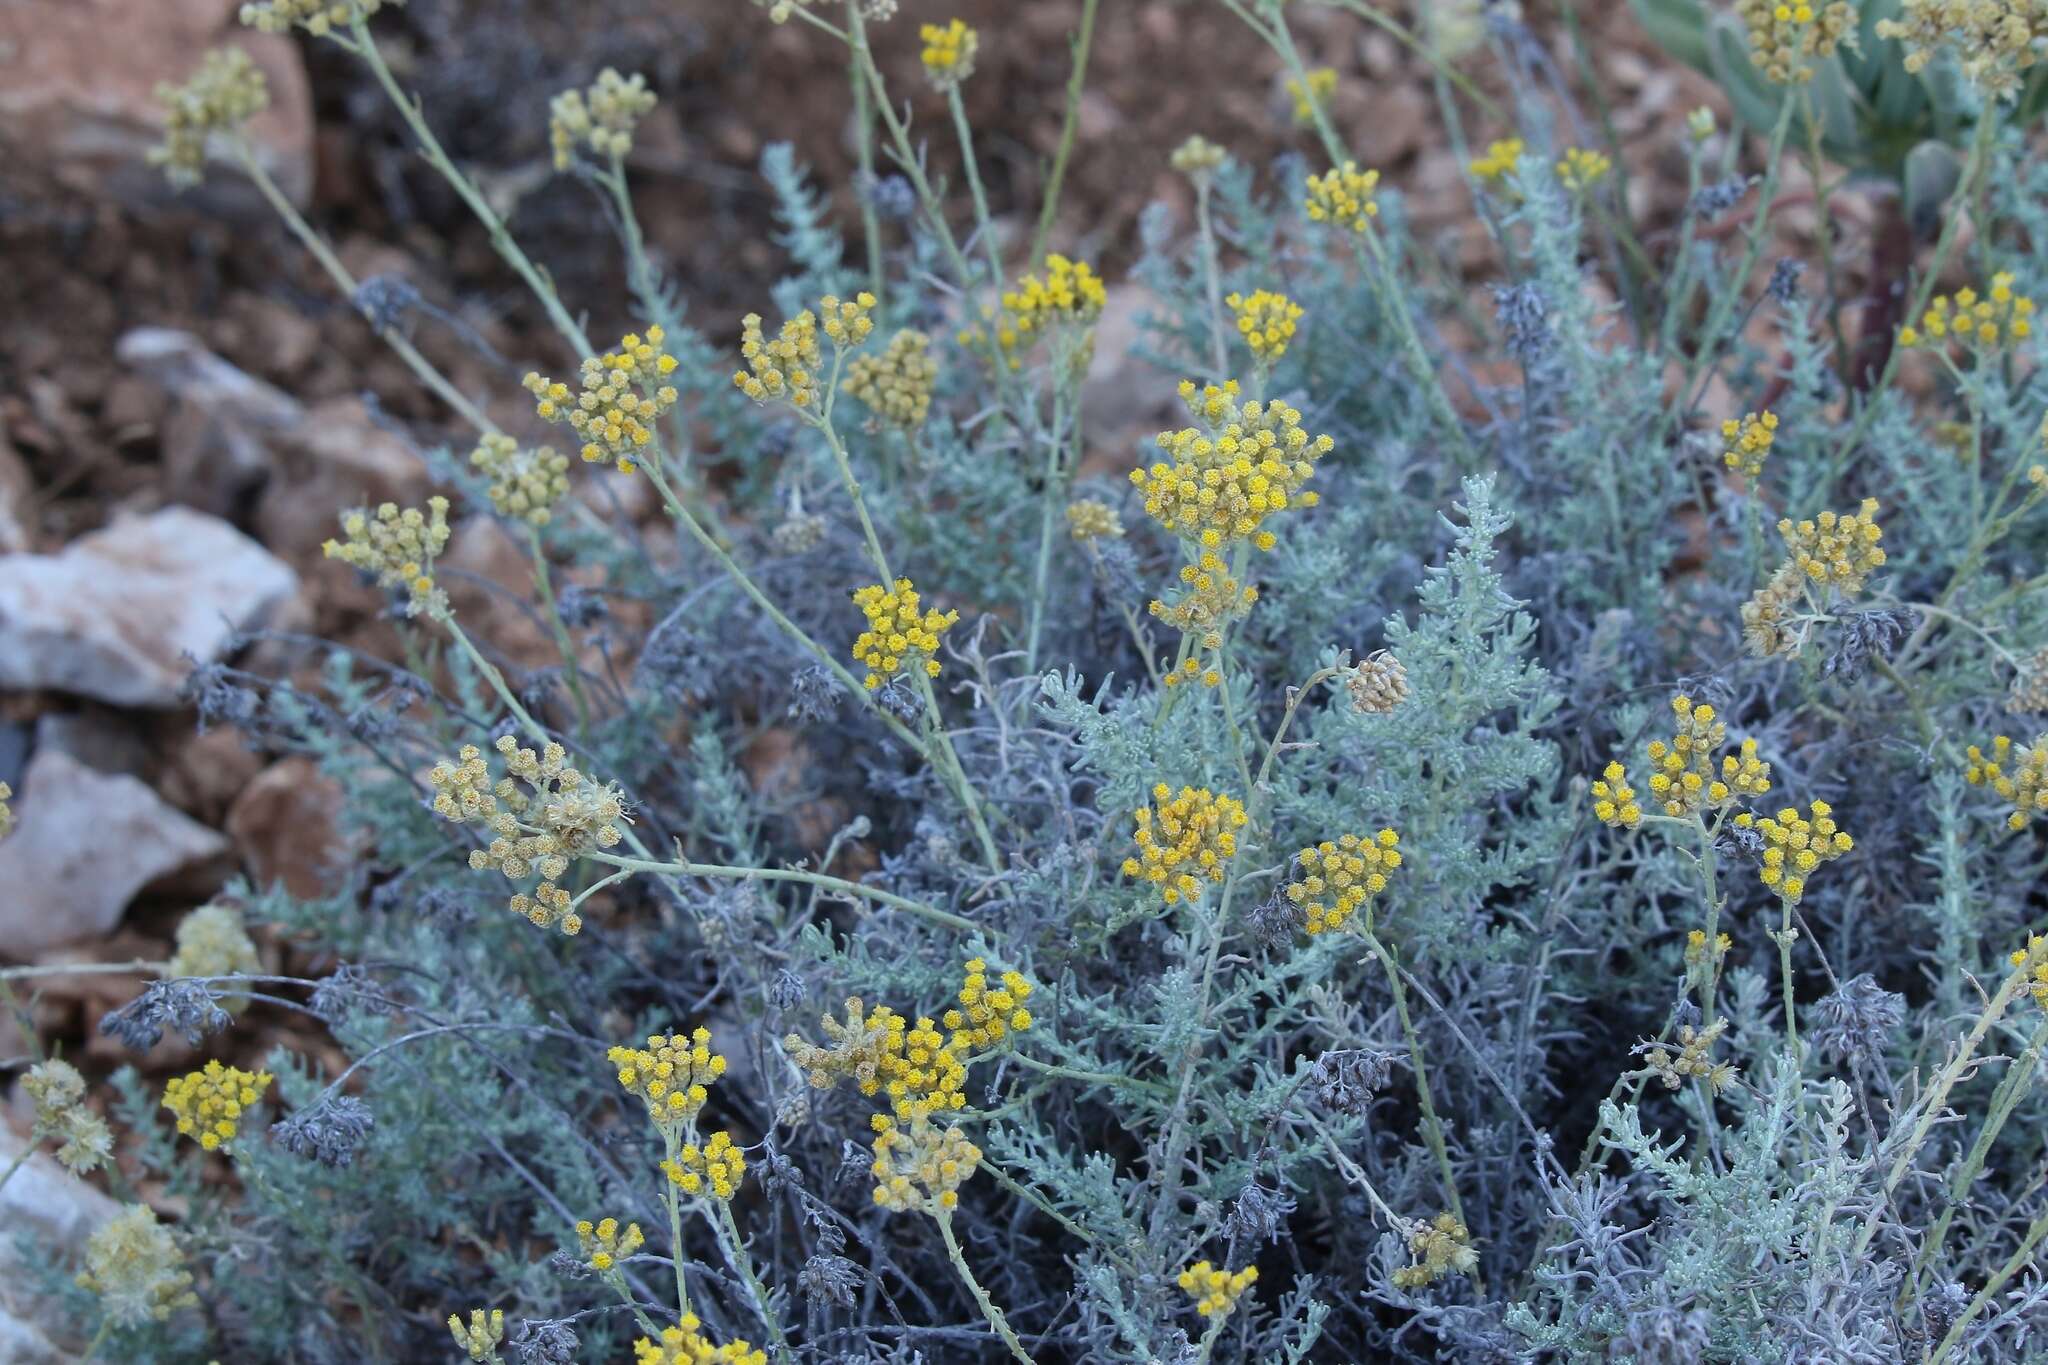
133	1265
1986	322
599	120
685	1344
1499	161
526	482
1068	294
1683	776
672	1075
896	386
792	367
1215	1291
1315	94
604	1244
1343	197
949	51
1338	876
1185	839
1795	845
1787	38
1749	442
209	1103
317	17
1093	519
2019	773
1994	40
1581	168
1223	479
1614	800
224	93
900	631
715	1168
2033	960
480	1337
624	393
1266	322
397	547
1440	1247
1212	599
1839	550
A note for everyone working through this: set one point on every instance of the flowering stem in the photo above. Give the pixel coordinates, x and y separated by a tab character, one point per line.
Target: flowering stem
864	149
139	967
984	226
346	282
686	868
1109	1078
1785	937
28	1149
92	1348
1206	228
1076	81
638	268
2021	1258
430	147
736	1252
572	672
1432	1126
944	1218
673	1196
1049	500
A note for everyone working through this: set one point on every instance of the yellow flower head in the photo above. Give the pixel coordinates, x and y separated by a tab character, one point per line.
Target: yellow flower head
623	396
1197	158
2017	773
1212	599
1795	845
1214	1291
1837	549
896	385
1614	800
1338	877
1581	168
716	1168
1185	839
526	482
792	367
480	1338
599	120
226	92
1343	197
1322	83
672	1075
1266	322
209	1103
2033	961
1749	442
1786	37
1499	161
1223	479
948	54
397	548
603	1245
1091	519
1983	324
899	631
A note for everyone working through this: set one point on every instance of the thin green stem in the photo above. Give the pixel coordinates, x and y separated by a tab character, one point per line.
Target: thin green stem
1211	278
138	967
572	672
736	1252
864	152
995	1317
673	1197
1049	501
1070	125
984	225
838	885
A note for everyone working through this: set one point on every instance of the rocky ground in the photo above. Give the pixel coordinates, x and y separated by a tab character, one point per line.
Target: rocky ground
185	403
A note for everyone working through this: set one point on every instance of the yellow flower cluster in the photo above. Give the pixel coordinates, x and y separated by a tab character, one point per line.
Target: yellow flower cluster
949	50
133	1264
603	1245
1997	318
317	17
1071	294
919	1169
1614	800
2022	780
2033	960
1749	442
1795	845
672	1076
62	1116
719	1166
1090	519
624	394
1683	779
1838	550
1698	959
1321	84
213	941
209	1103
1343	197
1184	839
1214	1291
1581	168
790	367
600	119
480	1338
563	817
1787	38
525	484
1214	598
898	631
1995	40
1197	158
1337	878
1436	1249
1499	162
398	548
1266	322
1223	479
224	93
685	1344
896	385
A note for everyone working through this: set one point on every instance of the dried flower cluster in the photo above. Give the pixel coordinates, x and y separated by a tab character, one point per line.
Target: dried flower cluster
1437	1248
1377	684
526	481
1994	40
134	1266
1787	38
226	92
398	549
62	1116
897	384
1694	1059
599	120
623	397
543	815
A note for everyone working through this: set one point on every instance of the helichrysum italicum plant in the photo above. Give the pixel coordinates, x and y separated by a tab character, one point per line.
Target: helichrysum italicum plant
1343	197
896	386
398	549
134	1267
792	367
227	91
1786	37
1794	845
1377	684
1694	1059
1216	1291
949	51
525	481
598	121
1440	1247
624	394
902	632
1185	840
542	814
1614	800
1828	559
84	1143
210	1103
1981	324
604	1244
2017	772
1222	480
1061	306
672	1075
480	1337
1265	321
1749	442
